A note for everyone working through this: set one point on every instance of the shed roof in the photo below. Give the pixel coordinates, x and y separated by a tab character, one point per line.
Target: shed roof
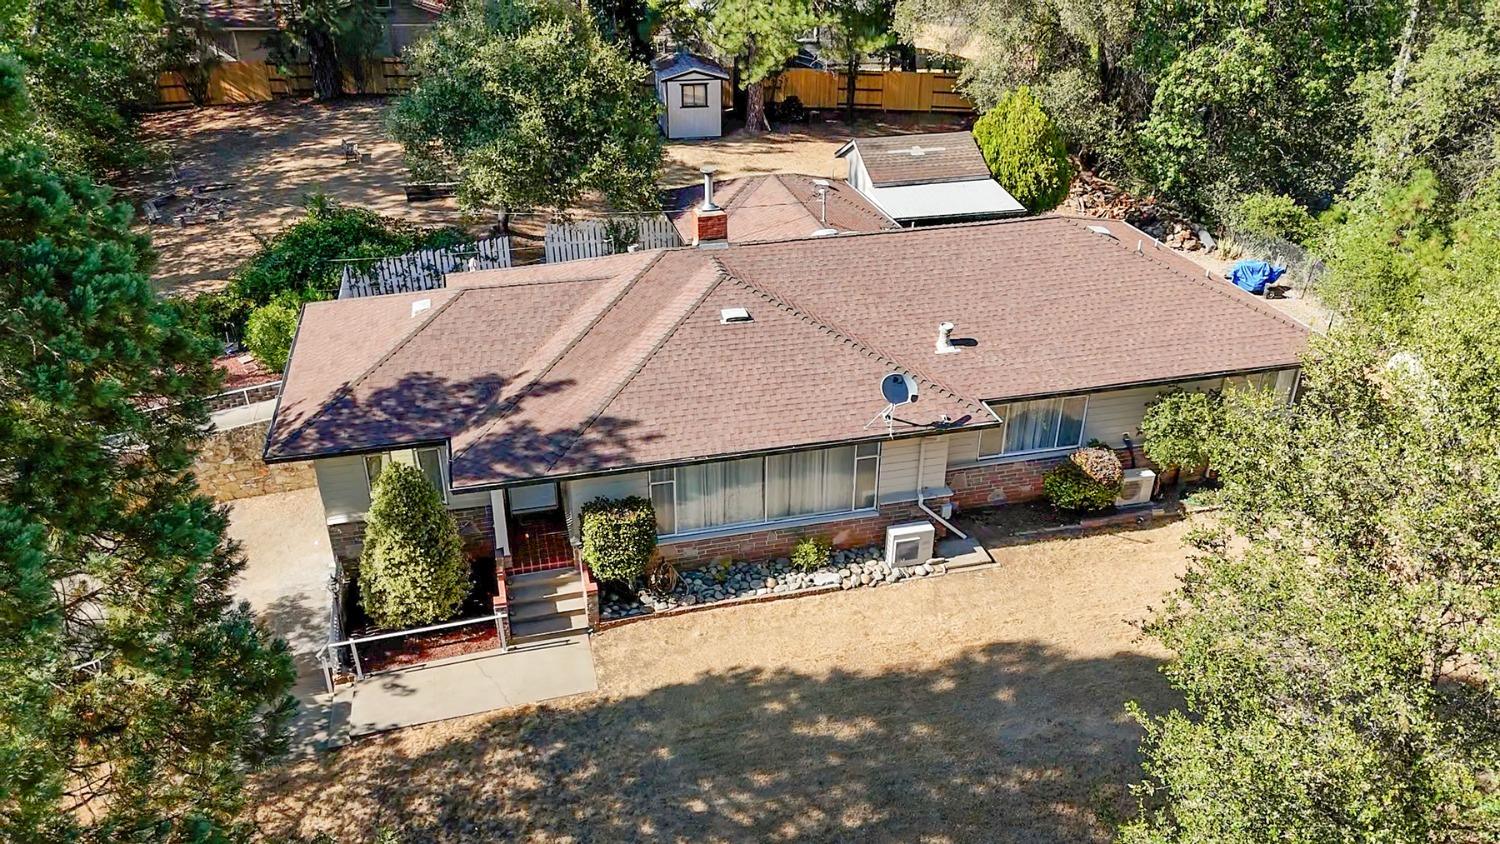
677	64
919	159
778	206
622	362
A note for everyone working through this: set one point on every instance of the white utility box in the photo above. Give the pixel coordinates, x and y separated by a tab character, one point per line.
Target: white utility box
909	544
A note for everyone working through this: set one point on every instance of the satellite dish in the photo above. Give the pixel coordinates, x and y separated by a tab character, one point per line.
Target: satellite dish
899	388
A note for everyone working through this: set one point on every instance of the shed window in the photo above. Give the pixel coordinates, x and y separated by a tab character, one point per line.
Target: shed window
1039	425
694	95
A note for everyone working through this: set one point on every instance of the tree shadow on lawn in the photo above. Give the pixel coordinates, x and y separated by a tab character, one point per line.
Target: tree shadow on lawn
1007	742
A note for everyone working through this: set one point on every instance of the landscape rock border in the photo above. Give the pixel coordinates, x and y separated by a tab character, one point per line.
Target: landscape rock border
760	581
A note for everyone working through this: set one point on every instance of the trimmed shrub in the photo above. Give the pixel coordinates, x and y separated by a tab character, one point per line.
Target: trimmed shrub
269	333
1070	487
1180	428
412	570
619	537
1100	463
1025	151
811	553
1273	215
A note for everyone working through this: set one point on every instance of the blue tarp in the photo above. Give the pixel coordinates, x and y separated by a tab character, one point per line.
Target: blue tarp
1254	276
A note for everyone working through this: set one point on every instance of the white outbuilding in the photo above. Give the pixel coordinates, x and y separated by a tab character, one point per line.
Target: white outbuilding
692	89
923	180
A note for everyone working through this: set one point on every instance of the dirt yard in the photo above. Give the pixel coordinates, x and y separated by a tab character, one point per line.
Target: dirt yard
278	153
982	706
275	155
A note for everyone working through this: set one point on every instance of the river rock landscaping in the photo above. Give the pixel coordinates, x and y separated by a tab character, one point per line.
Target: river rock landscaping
846	569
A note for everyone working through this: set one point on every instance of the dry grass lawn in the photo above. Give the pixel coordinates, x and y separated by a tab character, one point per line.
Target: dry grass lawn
982	706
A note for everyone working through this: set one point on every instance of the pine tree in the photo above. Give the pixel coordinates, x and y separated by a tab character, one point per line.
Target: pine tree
135	694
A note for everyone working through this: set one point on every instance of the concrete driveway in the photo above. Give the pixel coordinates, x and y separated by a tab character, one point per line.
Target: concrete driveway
287	567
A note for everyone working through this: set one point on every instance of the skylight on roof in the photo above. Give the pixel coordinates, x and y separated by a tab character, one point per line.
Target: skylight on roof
729	316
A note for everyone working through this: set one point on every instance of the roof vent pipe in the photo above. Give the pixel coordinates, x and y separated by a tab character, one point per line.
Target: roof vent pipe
708	190
945	339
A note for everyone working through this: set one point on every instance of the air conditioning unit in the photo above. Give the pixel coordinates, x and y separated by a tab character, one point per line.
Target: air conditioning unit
1137	489
909	544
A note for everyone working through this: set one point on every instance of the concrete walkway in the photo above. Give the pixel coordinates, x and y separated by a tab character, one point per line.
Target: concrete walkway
465	685
287	567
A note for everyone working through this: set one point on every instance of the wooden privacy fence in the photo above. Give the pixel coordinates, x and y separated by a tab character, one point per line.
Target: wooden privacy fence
238	83
594	238
880	90
418	271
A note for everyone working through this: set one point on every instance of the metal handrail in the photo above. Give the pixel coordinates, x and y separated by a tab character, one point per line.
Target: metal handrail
325	653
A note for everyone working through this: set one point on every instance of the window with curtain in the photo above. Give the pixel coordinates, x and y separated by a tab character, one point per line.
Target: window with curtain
754	490
695	95
1038	425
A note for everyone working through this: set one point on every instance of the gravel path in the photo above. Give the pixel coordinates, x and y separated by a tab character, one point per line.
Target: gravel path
982	706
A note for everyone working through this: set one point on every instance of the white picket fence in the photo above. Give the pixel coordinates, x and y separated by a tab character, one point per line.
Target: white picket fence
593	238
418	271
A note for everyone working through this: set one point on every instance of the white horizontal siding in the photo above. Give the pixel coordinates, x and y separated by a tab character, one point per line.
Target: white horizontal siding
345	489
343	486
963	449
580	492
907	464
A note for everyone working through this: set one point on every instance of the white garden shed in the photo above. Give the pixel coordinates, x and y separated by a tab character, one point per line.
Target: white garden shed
692	89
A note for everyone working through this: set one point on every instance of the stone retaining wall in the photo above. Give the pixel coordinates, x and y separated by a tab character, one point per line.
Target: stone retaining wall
230	466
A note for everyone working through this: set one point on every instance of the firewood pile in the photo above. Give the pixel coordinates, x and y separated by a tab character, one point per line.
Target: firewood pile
1092	196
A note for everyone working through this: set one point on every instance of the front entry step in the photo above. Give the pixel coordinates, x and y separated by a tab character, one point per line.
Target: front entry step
549	626
546	603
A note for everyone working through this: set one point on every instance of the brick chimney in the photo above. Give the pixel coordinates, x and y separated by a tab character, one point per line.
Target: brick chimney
710	222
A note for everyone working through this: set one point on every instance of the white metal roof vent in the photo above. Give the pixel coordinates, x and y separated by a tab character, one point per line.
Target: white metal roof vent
917	150
945	339
420	305
730	316
1104	231
824	232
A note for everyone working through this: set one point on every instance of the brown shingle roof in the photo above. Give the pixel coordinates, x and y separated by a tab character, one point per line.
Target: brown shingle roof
621	362
779	206
921	159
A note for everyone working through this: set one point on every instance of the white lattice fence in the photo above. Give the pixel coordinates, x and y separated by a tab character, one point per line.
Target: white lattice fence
594	238
424	270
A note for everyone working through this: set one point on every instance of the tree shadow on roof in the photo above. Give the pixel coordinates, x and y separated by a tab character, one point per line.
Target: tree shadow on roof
1011	741
429	408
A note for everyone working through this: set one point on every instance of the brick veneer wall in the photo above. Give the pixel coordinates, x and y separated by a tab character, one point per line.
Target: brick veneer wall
229	466
475	524
778	542
994	484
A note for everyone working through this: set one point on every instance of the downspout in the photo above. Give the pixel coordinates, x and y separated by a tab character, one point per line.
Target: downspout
922	505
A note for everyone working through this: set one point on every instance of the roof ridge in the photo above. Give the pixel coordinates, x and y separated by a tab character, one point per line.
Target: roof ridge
347	389
503	409
645	359
813	319
1226	290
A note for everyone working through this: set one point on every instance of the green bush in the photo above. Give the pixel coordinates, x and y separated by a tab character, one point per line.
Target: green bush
268	335
1069	485
1180	428
1025	151
619	536
1273	215
811	553
412	570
